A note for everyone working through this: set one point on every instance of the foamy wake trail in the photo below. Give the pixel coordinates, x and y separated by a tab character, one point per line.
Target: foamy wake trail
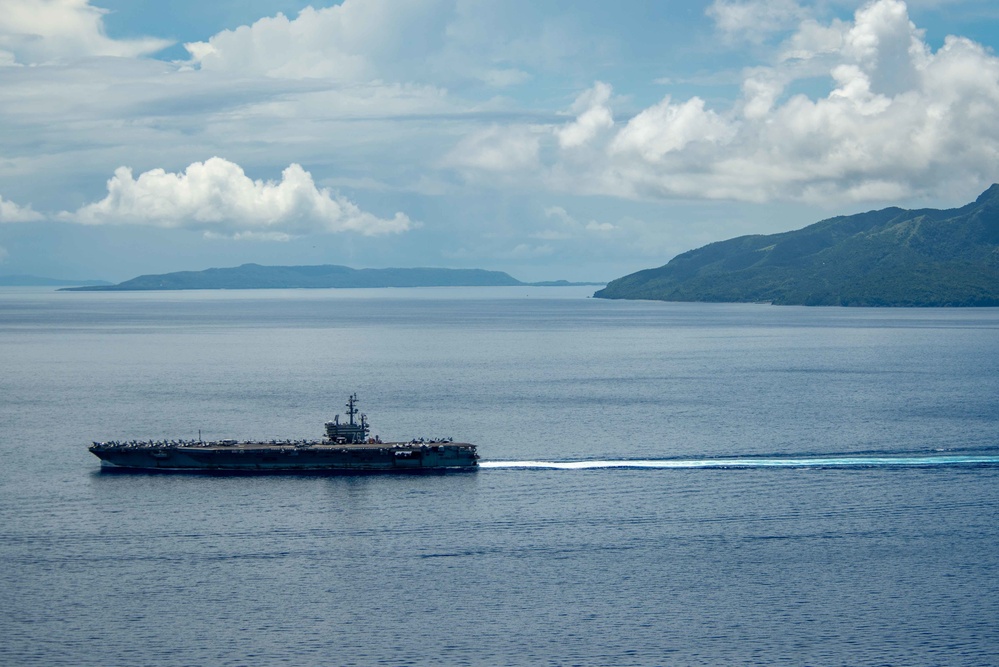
756	462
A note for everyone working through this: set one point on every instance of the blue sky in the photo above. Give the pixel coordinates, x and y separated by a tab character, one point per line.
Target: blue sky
581	140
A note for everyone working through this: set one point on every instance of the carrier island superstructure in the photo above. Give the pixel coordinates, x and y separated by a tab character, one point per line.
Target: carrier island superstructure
346	447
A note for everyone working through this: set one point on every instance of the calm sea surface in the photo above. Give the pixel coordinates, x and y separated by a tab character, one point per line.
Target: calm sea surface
663	484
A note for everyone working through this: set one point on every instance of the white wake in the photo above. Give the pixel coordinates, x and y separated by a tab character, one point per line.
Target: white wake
756	462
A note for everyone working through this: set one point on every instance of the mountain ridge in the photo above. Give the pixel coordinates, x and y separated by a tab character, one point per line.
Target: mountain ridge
887	257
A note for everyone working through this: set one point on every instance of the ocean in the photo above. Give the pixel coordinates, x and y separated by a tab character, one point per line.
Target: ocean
661	483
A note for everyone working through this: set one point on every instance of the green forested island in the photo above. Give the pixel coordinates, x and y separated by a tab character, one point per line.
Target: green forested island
255	276
891	257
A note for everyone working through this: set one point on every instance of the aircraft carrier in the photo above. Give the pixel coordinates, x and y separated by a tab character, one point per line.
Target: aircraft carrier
346	447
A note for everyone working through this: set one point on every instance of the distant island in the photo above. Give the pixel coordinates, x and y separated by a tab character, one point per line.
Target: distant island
256	276
891	257
22	280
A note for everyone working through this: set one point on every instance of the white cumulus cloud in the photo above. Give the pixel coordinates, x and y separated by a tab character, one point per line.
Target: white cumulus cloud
218	198
592	116
11	212
667	127
896	120
889	48
34	32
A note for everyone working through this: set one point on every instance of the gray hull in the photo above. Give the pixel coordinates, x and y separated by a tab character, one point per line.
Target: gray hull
265	457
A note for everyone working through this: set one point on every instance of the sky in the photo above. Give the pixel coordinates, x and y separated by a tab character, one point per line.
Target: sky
552	139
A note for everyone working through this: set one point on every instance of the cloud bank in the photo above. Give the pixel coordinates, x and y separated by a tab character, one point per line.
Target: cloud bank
356	41
898	121
451	44
218	198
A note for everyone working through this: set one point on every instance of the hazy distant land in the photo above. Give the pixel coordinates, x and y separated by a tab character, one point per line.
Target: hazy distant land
892	257
255	276
22	280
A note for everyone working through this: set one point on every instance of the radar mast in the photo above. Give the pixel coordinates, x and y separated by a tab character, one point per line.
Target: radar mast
351	407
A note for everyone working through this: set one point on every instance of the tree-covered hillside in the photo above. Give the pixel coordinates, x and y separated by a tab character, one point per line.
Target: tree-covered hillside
891	257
